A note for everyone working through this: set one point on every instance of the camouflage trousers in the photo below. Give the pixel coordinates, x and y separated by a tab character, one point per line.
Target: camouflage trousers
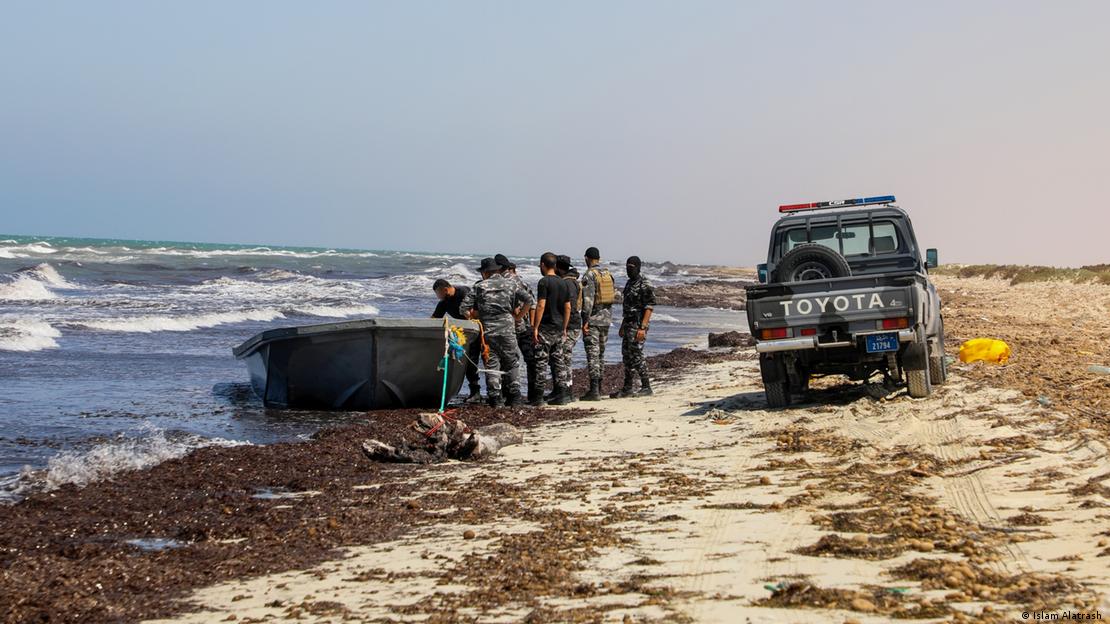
548	353
504	355
594	341
567	352
528	359
632	352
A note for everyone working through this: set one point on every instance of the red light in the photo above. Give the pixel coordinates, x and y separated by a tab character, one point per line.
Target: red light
809	331
771	334
896	323
790	207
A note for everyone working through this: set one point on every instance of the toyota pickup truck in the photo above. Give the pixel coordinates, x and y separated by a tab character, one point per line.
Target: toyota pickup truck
846	291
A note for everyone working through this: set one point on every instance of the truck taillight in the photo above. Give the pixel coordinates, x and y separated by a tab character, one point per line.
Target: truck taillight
895	323
808	331
772	334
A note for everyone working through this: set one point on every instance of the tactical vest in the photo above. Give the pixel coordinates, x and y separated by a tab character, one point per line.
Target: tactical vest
606	288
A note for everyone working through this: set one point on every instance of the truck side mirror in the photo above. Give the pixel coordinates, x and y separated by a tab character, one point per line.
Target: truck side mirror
762	269
931	259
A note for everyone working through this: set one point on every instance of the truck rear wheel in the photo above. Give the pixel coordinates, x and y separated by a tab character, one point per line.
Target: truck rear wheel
811	261
917	382
778	394
938	367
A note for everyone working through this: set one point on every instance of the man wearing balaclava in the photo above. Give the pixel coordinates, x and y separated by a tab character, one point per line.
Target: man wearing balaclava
638	302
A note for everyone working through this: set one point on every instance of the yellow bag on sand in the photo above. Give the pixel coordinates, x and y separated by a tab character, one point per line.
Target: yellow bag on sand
985	349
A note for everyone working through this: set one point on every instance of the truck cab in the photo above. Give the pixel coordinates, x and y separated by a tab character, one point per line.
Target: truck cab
845	290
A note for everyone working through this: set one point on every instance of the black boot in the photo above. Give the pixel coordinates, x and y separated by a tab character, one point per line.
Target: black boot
626	391
645	387
514	399
595	391
496	400
562	396
475	395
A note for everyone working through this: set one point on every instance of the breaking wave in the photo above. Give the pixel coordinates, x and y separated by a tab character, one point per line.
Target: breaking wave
150	447
164	323
27	335
25	288
47	274
337	311
149	324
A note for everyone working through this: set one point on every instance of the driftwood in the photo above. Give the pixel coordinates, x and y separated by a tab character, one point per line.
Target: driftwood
443	438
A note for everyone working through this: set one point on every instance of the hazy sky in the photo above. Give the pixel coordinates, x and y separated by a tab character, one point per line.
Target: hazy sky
668	129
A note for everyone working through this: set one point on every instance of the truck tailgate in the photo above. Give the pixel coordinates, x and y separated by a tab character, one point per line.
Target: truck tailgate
827	301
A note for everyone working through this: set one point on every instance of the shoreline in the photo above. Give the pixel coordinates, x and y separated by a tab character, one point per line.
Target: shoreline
208	502
697	504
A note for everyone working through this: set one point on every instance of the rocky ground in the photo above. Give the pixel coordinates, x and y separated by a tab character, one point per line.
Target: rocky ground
989	499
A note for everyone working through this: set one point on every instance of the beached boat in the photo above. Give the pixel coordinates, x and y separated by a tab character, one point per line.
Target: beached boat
354	365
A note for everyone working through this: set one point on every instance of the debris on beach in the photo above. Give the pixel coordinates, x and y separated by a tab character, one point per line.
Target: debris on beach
444	437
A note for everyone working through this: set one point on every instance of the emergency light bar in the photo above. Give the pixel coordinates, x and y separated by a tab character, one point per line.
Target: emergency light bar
860	201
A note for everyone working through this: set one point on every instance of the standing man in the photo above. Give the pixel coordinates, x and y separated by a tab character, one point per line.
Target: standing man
639	300
598	293
450	298
492	301
526	300
569	275
549	329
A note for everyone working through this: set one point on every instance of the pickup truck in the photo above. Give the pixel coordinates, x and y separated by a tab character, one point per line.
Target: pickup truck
846	291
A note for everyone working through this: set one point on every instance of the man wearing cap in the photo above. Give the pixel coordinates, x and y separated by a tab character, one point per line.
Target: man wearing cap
597	317
525	301
638	302
569	275
550	320
492	301
450	298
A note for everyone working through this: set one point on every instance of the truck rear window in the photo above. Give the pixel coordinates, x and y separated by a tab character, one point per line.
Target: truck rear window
850	240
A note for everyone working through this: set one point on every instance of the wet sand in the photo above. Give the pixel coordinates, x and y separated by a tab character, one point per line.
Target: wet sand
698	504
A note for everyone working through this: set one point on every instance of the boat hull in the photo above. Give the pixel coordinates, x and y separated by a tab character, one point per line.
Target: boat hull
355	365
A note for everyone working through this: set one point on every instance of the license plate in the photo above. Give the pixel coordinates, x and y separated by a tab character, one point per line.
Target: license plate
882	343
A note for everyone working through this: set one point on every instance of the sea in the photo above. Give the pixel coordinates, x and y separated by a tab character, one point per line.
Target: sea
117	354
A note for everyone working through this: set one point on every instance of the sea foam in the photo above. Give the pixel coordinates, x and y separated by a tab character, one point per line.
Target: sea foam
27	335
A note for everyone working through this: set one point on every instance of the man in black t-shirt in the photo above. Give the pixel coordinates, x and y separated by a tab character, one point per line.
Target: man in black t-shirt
449	299
550	320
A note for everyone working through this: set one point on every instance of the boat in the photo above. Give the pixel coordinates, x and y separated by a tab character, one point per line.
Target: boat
355	365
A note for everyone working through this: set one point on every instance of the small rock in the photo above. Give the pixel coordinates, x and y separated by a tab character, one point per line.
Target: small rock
765	480
468	534
863	604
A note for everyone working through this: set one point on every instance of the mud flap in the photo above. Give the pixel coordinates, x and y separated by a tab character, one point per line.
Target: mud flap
772	369
915	357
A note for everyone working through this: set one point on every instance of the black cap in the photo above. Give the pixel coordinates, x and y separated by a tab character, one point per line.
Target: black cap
563	263
489	265
634	261
593	254
504	262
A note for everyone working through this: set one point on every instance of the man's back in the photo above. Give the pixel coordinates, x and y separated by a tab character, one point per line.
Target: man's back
555	290
450	304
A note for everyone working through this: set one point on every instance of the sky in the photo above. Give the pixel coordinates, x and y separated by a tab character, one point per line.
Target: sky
667	129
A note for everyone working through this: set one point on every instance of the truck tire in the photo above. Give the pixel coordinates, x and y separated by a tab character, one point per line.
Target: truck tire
938	367
917	382
778	394
811	261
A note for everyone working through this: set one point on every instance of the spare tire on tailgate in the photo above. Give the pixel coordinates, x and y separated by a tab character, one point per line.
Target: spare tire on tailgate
811	261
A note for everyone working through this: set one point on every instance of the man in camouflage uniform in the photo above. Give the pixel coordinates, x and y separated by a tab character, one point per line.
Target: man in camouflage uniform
596	319
526	300
492	301
550	320
565	270
638	302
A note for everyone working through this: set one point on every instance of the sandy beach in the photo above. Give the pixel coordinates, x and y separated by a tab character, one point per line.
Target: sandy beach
988	500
